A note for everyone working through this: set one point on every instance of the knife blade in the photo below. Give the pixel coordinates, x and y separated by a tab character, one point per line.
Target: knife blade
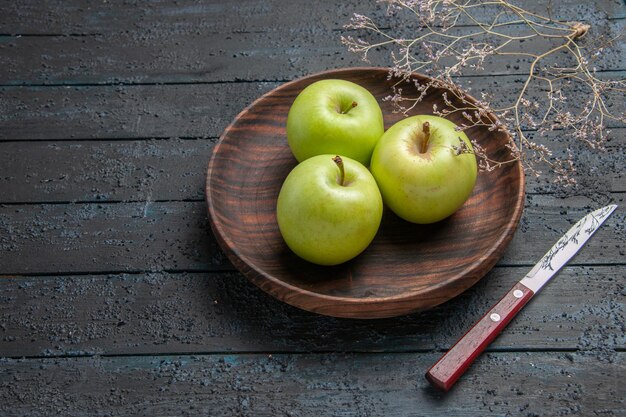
449	368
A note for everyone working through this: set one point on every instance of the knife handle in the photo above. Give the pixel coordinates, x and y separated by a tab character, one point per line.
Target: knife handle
455	362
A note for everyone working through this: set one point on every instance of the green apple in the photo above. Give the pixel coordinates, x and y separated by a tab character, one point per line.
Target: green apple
329	209
425	168
334	117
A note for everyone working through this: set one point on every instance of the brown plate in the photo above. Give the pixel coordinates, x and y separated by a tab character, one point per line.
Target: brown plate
406	268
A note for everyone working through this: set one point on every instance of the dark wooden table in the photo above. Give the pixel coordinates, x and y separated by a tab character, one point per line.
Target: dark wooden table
116	300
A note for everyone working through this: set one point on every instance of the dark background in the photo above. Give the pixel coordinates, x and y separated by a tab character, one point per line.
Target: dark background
115	299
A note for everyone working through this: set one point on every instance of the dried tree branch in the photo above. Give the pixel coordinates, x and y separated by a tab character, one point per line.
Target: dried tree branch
452	37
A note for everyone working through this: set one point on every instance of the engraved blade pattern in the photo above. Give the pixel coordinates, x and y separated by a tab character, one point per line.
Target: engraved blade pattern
566	248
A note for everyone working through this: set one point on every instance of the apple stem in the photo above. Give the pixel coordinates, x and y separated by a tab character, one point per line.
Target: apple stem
342	172
426	130
352	105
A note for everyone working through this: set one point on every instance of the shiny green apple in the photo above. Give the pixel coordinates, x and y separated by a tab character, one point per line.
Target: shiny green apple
329	209
334	117
422	175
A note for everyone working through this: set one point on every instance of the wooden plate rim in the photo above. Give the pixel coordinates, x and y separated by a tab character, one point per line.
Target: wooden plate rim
258	276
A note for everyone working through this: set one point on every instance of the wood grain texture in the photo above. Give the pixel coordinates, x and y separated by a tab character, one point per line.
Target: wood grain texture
186	16
223	16
173	110
91	171
95	237
95	141
406	268
310	385
582	309
175	236
124	112
174	169
157	56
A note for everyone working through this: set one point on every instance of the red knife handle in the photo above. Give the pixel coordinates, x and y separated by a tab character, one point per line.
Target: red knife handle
455	362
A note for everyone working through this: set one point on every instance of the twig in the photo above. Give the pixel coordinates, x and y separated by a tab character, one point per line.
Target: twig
443	49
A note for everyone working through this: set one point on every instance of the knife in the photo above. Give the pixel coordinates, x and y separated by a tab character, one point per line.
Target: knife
455	362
